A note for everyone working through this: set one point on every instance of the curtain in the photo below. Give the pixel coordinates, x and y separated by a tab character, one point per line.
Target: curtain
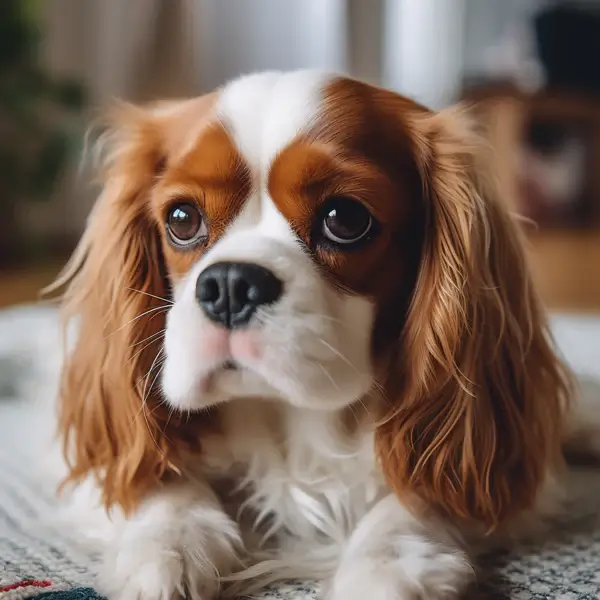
128	49
423	49
118	49
135	49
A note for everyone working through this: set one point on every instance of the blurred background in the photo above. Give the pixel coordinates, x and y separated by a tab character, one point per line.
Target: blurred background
531	67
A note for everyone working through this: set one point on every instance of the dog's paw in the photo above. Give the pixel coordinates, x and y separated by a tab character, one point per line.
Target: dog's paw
153	572
170	563
178	544
443	576
145	577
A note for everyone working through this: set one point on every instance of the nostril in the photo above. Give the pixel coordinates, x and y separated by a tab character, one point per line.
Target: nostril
208	290
267	289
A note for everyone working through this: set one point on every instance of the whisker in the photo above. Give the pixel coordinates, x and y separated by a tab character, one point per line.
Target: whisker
275	325
159	357
348	326
147	312
354	413
146	416
151	336
380	389
172	410
362	403
156	376
169	417
150	339
329	376
374	382
330	318
145	394
341	355
170	302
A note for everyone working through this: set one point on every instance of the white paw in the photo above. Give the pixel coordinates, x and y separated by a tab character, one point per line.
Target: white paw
170	562
158	577
436	576
178	544
155	573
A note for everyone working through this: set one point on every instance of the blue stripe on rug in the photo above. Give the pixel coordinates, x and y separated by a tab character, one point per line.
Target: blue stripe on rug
74	594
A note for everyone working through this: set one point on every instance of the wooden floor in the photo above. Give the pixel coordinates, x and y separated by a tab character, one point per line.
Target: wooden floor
566	267
17	287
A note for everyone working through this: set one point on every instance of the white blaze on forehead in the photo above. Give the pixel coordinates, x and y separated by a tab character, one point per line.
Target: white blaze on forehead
241	108
266	111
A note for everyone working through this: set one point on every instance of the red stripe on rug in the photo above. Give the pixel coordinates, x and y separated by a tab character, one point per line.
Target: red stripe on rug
26	583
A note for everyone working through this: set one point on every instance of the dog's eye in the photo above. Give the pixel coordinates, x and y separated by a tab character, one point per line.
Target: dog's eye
345	221
185	224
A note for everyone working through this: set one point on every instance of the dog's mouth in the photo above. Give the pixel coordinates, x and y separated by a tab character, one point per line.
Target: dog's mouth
226	372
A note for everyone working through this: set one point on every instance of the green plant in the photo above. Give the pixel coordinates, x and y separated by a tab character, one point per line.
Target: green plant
38	131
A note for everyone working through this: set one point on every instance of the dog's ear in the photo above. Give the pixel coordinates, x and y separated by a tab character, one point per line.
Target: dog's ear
111	416
478	392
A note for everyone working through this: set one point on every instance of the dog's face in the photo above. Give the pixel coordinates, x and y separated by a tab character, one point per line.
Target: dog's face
285	230
310	238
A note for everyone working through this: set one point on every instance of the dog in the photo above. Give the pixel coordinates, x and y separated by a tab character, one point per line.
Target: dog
308	345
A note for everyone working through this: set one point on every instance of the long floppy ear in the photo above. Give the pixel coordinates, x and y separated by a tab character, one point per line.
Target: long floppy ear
111	418
480	393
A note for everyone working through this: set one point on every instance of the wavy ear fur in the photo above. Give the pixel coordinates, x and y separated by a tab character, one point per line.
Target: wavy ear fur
480	394
111	418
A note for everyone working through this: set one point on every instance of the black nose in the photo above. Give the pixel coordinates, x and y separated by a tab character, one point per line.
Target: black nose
229	293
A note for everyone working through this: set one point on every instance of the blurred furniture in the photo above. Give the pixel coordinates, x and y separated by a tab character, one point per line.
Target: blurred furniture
547	159
567	37
40	134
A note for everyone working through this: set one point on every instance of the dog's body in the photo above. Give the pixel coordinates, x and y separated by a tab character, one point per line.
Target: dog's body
356	379
315	507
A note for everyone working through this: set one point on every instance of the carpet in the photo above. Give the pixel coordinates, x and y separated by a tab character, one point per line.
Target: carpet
40	559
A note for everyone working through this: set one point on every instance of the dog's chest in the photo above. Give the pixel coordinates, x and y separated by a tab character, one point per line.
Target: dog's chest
306	472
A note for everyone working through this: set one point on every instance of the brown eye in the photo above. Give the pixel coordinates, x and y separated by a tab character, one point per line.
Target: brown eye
185	224
346	221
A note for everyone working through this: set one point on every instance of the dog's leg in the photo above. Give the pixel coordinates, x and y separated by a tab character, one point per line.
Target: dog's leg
178	543
392	555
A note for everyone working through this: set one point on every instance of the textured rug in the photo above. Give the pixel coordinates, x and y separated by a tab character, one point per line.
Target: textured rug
41	559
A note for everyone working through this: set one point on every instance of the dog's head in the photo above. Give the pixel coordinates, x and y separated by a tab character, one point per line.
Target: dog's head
317	240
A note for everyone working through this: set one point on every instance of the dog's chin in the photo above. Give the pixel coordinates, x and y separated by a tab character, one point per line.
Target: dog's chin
190	392
236	381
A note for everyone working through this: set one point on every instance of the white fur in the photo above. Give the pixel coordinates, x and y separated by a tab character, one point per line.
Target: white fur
179	541
295	436
392	555
266	111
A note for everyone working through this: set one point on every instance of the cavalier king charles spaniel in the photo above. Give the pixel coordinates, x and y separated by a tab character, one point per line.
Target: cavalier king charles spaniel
308	345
